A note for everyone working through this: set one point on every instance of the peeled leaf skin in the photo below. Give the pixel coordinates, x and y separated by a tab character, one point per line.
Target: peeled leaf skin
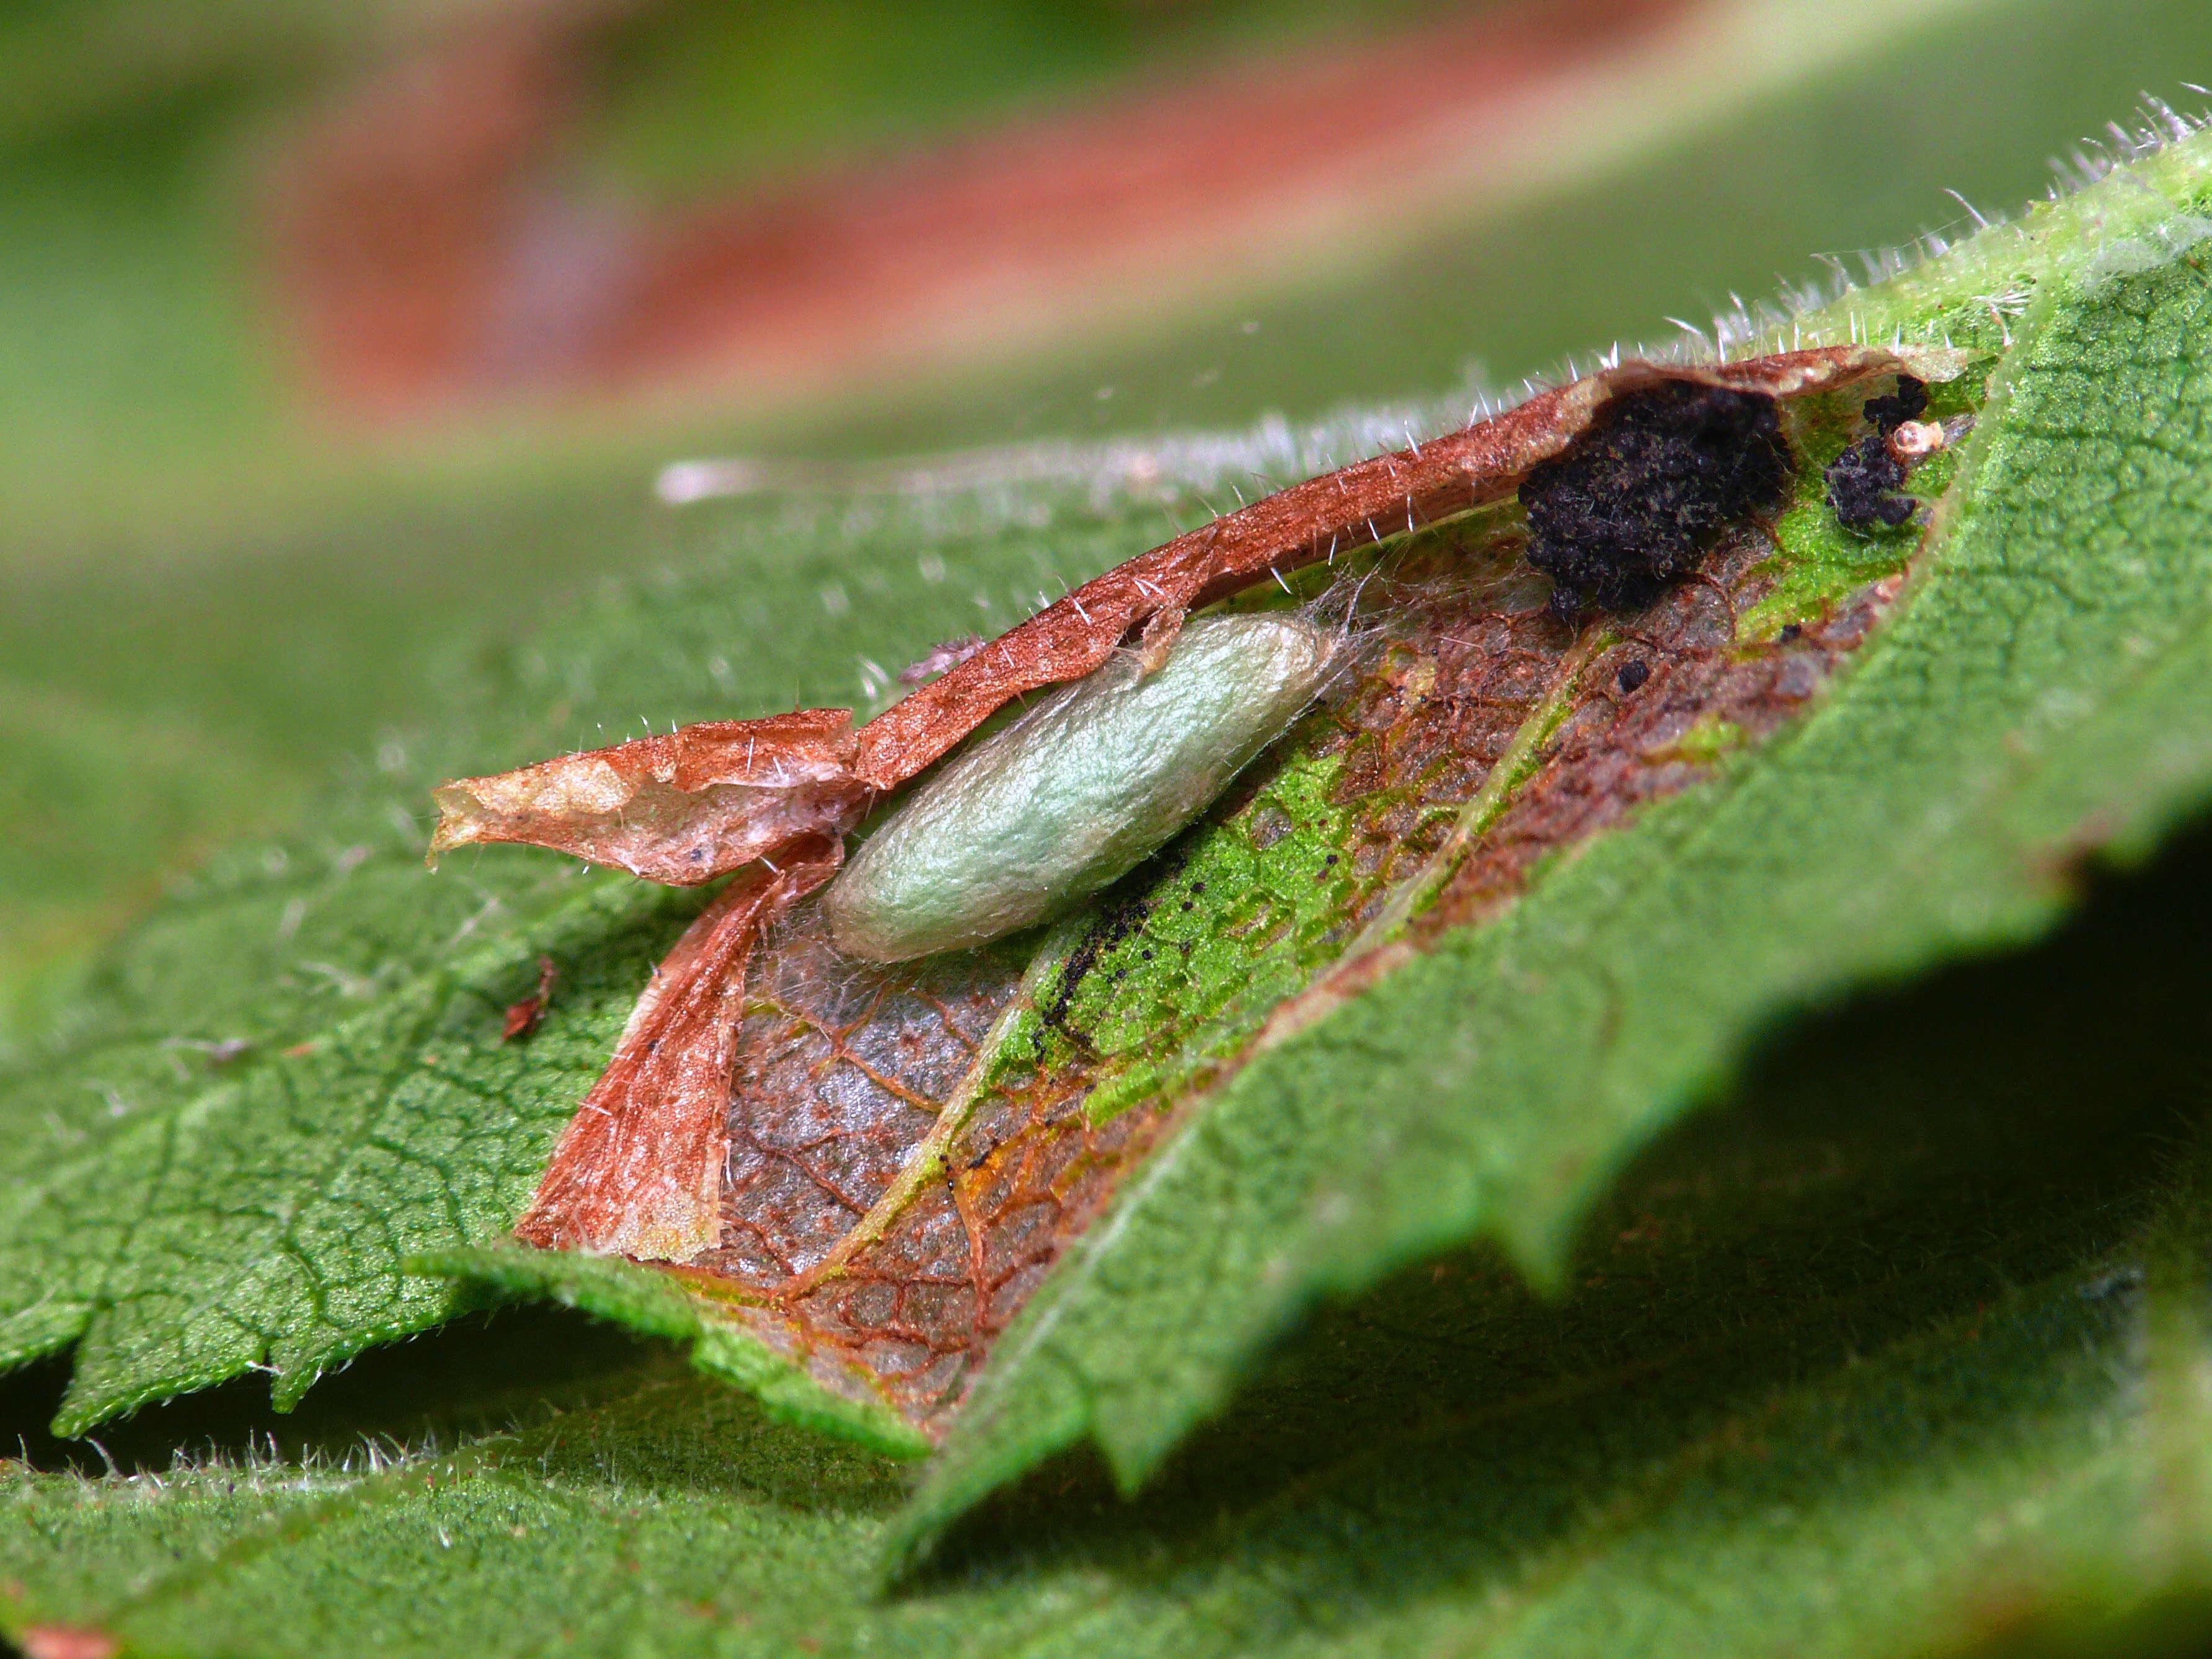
639	1170
708	798
681	809
2046	688
1077	793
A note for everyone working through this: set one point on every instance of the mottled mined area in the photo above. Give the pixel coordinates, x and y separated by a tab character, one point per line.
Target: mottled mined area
1388	788
839	1070
1695	702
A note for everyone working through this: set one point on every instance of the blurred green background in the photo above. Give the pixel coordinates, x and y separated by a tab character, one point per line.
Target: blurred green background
228	569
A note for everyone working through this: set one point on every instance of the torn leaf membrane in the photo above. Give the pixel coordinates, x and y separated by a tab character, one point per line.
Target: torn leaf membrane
639	1170
704	801
682	808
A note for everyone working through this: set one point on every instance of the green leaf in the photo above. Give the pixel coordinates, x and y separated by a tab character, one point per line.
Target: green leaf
289	1078
1894	1349
2043	691
276	1126
223	1178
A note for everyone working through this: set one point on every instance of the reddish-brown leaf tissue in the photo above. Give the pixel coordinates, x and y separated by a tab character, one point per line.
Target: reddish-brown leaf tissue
681	809
639	1170
846	1072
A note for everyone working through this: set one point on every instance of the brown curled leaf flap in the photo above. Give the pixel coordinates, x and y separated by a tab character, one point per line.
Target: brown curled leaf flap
1306	524
697	803
639	1169
681	809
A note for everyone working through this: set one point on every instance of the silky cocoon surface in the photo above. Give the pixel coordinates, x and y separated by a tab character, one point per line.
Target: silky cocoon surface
1077	791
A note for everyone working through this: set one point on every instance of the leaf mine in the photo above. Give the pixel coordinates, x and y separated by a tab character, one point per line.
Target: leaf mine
871	1164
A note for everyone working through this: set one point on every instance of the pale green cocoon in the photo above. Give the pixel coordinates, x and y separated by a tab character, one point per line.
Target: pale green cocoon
1077	791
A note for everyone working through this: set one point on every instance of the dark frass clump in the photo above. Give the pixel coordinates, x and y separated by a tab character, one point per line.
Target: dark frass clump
1863	480
1648	489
